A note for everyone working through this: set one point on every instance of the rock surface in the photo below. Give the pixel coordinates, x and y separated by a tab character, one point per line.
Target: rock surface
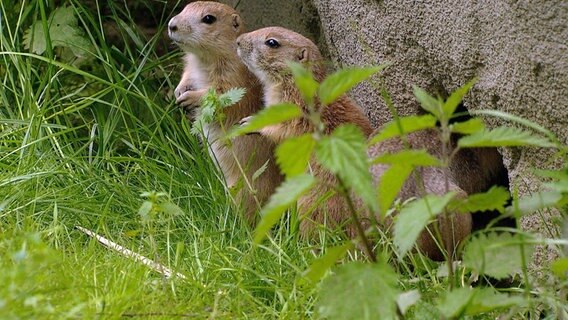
517	49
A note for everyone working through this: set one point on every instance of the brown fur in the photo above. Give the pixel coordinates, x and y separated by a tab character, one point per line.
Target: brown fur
211	61
269	64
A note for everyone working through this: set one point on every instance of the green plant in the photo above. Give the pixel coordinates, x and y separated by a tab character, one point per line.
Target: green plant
498	255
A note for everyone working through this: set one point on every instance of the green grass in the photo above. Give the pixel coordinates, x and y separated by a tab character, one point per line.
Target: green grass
78	146
81	141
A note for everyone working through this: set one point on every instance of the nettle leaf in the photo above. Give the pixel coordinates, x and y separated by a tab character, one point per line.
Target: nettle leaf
63	31
494	199
537	201
560	268
320	266
270	115
407	124
344	153
304	80
337	84
409	157
373	285
496	255
454	303
391	182
414	217
407	299
453	101
284	196
468	127
294	154
504	137
231	97
428	103
488	299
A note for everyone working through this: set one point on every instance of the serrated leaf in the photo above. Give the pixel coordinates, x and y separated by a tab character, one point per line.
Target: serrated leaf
304	80
454	303
373	285
344	153
450	105
231	97
320	266
407	124
407	299
428	103
414	217
145	210
270	115
337	84
468	127
284	196
494	199
537	201
560	268
391	182
294	154
504	137
63	31
412	157
487	299
496	255
170	208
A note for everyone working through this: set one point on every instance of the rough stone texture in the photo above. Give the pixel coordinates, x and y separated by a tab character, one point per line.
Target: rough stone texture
518	49
297	15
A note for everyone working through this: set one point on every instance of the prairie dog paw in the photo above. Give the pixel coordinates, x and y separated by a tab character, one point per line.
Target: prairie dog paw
189	100
181	89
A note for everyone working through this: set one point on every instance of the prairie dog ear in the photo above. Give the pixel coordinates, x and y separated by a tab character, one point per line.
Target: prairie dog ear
303	55
237	22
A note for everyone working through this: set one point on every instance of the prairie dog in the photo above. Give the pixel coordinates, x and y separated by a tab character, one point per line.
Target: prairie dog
206	32
266	52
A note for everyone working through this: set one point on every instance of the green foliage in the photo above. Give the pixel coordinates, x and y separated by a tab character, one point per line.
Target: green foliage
344	153
414	217
294	154
360	291
284	197
391	183
413	158
63	31
404	125
304	81
342	81
212	105
320	266
498	255
455	98
473	301
269	116
470	126
494	199
503	137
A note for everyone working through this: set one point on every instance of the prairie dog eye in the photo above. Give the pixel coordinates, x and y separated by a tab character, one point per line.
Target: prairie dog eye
272	43
208	19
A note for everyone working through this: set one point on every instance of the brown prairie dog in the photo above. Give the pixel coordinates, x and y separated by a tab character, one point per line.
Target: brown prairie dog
266	52
206	32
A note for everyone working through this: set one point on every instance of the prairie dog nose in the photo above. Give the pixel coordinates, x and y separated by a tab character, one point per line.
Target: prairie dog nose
172	25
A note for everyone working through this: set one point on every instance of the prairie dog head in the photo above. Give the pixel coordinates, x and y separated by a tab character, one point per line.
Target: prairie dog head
267	51
205	27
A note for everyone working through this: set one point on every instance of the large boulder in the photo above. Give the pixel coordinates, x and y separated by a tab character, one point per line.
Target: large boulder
517	49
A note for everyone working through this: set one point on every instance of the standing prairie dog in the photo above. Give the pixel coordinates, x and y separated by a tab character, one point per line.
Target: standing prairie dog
206	32
266	53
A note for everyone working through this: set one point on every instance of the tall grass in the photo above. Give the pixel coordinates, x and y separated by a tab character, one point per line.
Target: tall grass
80	141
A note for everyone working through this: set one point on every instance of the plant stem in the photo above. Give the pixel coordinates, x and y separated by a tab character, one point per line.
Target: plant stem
357	222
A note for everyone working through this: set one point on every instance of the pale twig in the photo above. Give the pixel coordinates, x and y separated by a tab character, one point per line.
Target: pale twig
131	254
